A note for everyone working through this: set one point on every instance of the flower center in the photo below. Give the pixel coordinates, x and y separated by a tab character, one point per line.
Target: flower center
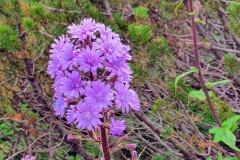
87	115
99	96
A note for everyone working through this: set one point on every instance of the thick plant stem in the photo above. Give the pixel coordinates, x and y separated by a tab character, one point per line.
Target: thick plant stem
105	146
197	64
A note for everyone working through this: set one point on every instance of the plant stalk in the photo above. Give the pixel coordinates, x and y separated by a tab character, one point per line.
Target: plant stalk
105	146
197	64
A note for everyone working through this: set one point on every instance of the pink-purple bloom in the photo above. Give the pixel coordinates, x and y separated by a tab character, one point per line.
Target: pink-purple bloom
99	95
90	68
82	31
126	98
68	56
87	117
59	104
90	60
71	85
117	127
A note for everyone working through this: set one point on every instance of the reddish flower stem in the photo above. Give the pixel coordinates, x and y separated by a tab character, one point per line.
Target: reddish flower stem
105	145
197	64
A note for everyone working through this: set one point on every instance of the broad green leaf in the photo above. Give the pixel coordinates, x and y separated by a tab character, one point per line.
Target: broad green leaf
2	155
224	135
212	84
209	158
192	70
199	94
231	123
6	130
220	156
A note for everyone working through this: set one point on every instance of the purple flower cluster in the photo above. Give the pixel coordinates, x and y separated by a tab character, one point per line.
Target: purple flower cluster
89	66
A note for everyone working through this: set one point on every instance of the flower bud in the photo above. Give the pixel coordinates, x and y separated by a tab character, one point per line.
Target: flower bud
131	146
134	155
74	137
29	157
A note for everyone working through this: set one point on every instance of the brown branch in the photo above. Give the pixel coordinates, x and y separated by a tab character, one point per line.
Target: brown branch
108	9
15	154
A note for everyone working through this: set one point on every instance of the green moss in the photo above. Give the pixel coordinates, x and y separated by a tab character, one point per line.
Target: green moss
231	65
28	24
234	18
141	14
9	40
211	7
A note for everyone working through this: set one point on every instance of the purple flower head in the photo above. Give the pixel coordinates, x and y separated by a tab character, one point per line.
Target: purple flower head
87	28
99	95
72	114
89	66
69	56
87	117
59	104
105	31
117	127
57	84
126	98
120	68
109	47
29	157
91	60
54	67
56	47
72	86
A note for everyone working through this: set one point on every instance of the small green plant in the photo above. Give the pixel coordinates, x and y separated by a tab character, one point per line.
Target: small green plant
225	133
199	94
234	18
28	24
9	40
140	13
119	21
157	105
179	77
139	34
231	64
137	70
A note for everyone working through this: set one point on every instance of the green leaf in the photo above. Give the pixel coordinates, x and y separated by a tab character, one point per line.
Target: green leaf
2	155
199	94
224	135
192	70
197	20
212	84
140	13
24	107
231	123
6	130
220	156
